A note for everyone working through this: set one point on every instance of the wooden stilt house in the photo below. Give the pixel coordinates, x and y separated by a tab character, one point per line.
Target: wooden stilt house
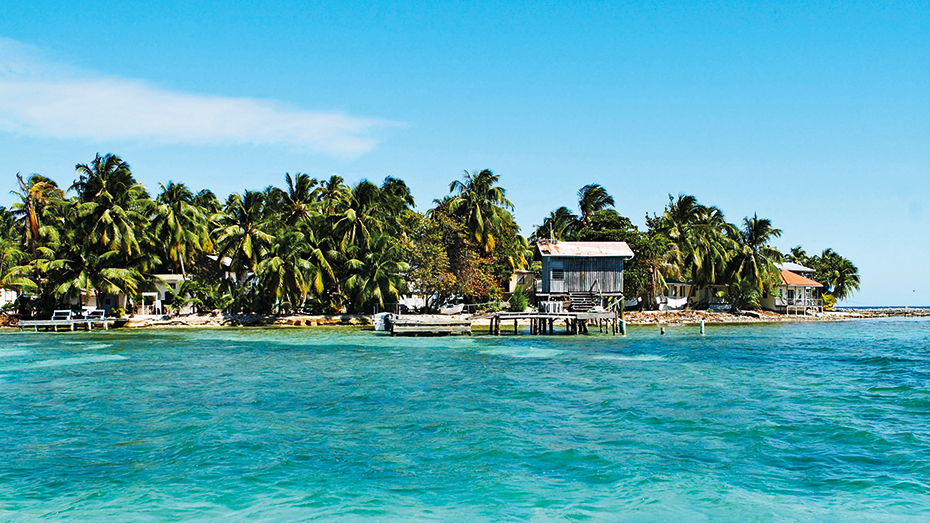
584	274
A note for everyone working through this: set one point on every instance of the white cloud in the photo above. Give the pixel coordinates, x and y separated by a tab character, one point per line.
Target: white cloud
49	101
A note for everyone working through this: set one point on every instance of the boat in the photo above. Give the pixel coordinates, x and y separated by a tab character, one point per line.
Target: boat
382	321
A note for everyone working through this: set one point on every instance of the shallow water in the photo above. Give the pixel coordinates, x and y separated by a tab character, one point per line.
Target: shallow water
798	422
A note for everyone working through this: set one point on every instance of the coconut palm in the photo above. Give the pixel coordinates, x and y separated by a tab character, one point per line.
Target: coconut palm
332	194
378	274
591	199
81	271
112	203
557	226
838	274
394	201
241	232
207	202
297	201
35	194
357	222
287	273
753	263
481	204
179	226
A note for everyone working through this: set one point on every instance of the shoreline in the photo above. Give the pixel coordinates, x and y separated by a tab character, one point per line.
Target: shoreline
668	317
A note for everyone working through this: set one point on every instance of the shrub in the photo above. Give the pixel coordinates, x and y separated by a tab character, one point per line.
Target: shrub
518	300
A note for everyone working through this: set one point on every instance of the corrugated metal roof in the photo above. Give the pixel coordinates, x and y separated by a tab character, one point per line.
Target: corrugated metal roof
793	267
585	249
796	280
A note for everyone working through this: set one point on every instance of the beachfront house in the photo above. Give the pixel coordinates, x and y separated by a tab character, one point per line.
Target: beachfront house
160	300
584	274
676	295
798	292
8	296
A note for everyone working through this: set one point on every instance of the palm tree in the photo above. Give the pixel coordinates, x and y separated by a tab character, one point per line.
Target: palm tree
82	270
591	199
332	194
838	274
395	200
179	225
557	226
287	273
378	274
112	203
700	240
207	202
753	264
357	222
241	232
35	194
481	204
297	202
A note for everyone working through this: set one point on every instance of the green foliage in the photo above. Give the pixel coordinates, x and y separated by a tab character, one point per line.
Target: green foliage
518	300
325	246
743	293
838	275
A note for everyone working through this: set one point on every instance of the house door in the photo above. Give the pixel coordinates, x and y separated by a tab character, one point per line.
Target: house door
557	278
589	281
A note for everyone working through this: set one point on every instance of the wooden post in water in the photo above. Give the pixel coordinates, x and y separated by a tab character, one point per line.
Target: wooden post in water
515	327
702	325
623	327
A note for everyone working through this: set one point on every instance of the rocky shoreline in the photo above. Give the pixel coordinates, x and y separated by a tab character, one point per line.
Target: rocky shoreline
632	318
694	317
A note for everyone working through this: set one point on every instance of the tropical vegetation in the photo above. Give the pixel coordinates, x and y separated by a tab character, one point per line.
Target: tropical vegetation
325	246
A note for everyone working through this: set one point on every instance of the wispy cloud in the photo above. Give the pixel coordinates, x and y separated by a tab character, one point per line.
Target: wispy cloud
43	99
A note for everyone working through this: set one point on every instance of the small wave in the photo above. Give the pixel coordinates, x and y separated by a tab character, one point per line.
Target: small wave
638	357
525	352
9	353
65	361
97	346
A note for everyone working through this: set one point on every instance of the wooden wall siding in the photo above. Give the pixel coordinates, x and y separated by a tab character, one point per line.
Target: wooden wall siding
582	273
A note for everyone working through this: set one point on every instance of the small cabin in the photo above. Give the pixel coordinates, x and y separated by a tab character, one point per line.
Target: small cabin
521	279
581	268
797	294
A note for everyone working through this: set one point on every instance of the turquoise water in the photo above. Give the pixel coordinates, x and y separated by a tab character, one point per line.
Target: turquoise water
800	422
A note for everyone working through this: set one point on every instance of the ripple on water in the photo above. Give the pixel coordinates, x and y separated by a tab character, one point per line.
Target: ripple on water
63	362
750	423
636	357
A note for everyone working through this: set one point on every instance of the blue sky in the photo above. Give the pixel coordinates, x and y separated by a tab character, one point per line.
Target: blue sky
816	116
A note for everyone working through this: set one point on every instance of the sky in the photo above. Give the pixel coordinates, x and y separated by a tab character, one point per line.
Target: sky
815	115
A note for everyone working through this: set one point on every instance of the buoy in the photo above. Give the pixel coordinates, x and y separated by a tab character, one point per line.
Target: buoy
663	330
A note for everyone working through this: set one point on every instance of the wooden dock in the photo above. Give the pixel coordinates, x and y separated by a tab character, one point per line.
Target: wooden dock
69	324
419	326
548	322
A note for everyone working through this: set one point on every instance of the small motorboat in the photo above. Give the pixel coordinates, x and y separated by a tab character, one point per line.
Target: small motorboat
382	321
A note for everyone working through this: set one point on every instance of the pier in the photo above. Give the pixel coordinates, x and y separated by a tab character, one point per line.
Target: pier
65	319
419	326
546	323
70	324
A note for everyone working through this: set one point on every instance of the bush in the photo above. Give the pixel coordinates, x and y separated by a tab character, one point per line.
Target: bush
518	300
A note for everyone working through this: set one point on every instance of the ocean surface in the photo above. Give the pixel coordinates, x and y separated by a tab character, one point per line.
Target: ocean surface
785	422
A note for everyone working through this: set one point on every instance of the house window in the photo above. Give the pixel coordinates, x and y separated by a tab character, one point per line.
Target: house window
558	274
521	280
